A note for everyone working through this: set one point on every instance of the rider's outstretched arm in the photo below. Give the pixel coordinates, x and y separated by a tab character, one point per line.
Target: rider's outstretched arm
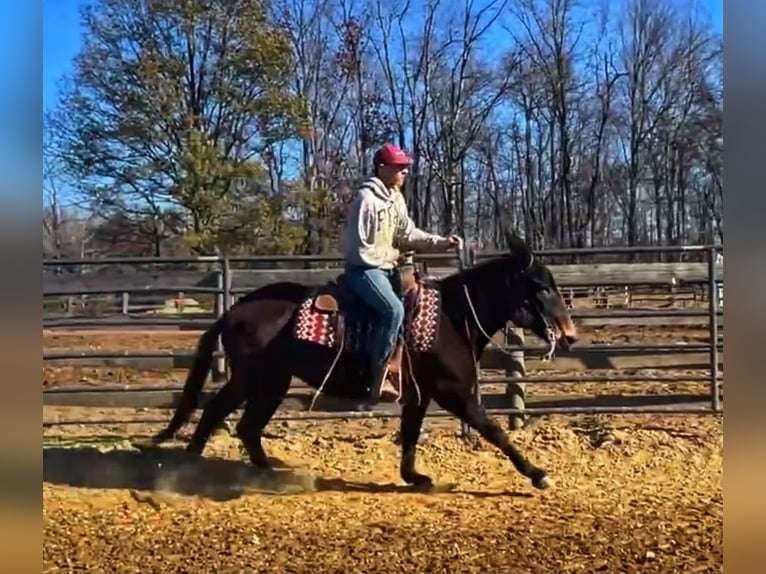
409	236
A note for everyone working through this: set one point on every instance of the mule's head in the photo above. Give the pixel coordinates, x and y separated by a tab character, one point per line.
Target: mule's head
536	302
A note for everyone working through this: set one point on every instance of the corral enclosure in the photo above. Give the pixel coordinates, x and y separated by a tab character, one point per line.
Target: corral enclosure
651	343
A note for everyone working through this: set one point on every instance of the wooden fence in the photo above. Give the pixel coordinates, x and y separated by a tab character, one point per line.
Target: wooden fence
510	356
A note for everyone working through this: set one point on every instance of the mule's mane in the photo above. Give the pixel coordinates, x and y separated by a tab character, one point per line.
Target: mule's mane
486	284
498	265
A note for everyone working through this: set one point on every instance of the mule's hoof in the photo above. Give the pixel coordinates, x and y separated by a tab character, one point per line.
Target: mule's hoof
542	482
419	481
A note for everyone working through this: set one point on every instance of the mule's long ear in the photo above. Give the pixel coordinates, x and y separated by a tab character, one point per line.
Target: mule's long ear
519	248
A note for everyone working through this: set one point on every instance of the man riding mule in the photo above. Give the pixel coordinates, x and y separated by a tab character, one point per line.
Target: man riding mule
265	354
376	227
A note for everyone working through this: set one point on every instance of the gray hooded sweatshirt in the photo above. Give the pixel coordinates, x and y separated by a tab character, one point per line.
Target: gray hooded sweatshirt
378	224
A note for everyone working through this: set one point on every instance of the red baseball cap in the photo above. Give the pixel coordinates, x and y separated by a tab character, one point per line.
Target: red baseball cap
390	154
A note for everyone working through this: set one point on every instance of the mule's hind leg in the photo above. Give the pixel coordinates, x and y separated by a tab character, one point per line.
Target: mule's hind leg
459	401
261	406
409	433
223	403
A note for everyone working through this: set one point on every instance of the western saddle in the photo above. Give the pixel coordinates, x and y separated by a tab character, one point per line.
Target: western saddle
327	302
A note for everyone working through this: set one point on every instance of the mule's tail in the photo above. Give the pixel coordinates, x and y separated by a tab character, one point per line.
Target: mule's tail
195	380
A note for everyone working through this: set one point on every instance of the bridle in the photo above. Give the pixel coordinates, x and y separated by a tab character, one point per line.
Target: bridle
550	334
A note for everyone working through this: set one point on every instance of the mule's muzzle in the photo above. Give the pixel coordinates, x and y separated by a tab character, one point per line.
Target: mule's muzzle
561	341
565	334
566	341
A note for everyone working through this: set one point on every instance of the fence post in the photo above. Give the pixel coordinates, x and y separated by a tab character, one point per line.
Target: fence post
227	283
125	302
219	371
469	261
516	368
227	297
222	304
715	384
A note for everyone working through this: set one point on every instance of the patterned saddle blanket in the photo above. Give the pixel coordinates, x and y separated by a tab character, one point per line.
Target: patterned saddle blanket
333	315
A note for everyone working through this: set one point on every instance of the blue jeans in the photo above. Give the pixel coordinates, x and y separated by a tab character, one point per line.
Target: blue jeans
378	288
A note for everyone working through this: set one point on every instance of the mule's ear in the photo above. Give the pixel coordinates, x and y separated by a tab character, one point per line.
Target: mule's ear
514	242
518	248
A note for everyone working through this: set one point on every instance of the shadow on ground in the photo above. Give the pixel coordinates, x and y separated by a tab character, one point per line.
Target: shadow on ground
175	471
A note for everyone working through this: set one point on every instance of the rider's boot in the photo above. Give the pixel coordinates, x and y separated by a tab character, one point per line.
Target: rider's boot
378	385
377	378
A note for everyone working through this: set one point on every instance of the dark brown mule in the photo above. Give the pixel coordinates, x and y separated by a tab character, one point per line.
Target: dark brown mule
262	340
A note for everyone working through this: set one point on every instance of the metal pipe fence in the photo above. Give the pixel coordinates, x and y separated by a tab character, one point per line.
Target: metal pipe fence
225	294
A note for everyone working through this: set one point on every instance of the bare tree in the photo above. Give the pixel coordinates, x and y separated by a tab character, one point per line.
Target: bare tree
577	124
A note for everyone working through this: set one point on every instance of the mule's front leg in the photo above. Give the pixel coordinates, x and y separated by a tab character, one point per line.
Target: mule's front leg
467	408
409	433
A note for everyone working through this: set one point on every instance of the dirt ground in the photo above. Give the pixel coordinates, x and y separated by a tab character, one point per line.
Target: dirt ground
630	494
639	494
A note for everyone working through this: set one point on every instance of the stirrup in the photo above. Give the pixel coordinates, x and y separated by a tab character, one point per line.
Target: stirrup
381	389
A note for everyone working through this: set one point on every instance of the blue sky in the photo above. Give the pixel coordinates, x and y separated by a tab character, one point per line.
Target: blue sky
61	42
61	38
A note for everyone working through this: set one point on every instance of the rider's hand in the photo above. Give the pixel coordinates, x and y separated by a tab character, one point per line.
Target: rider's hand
455	242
